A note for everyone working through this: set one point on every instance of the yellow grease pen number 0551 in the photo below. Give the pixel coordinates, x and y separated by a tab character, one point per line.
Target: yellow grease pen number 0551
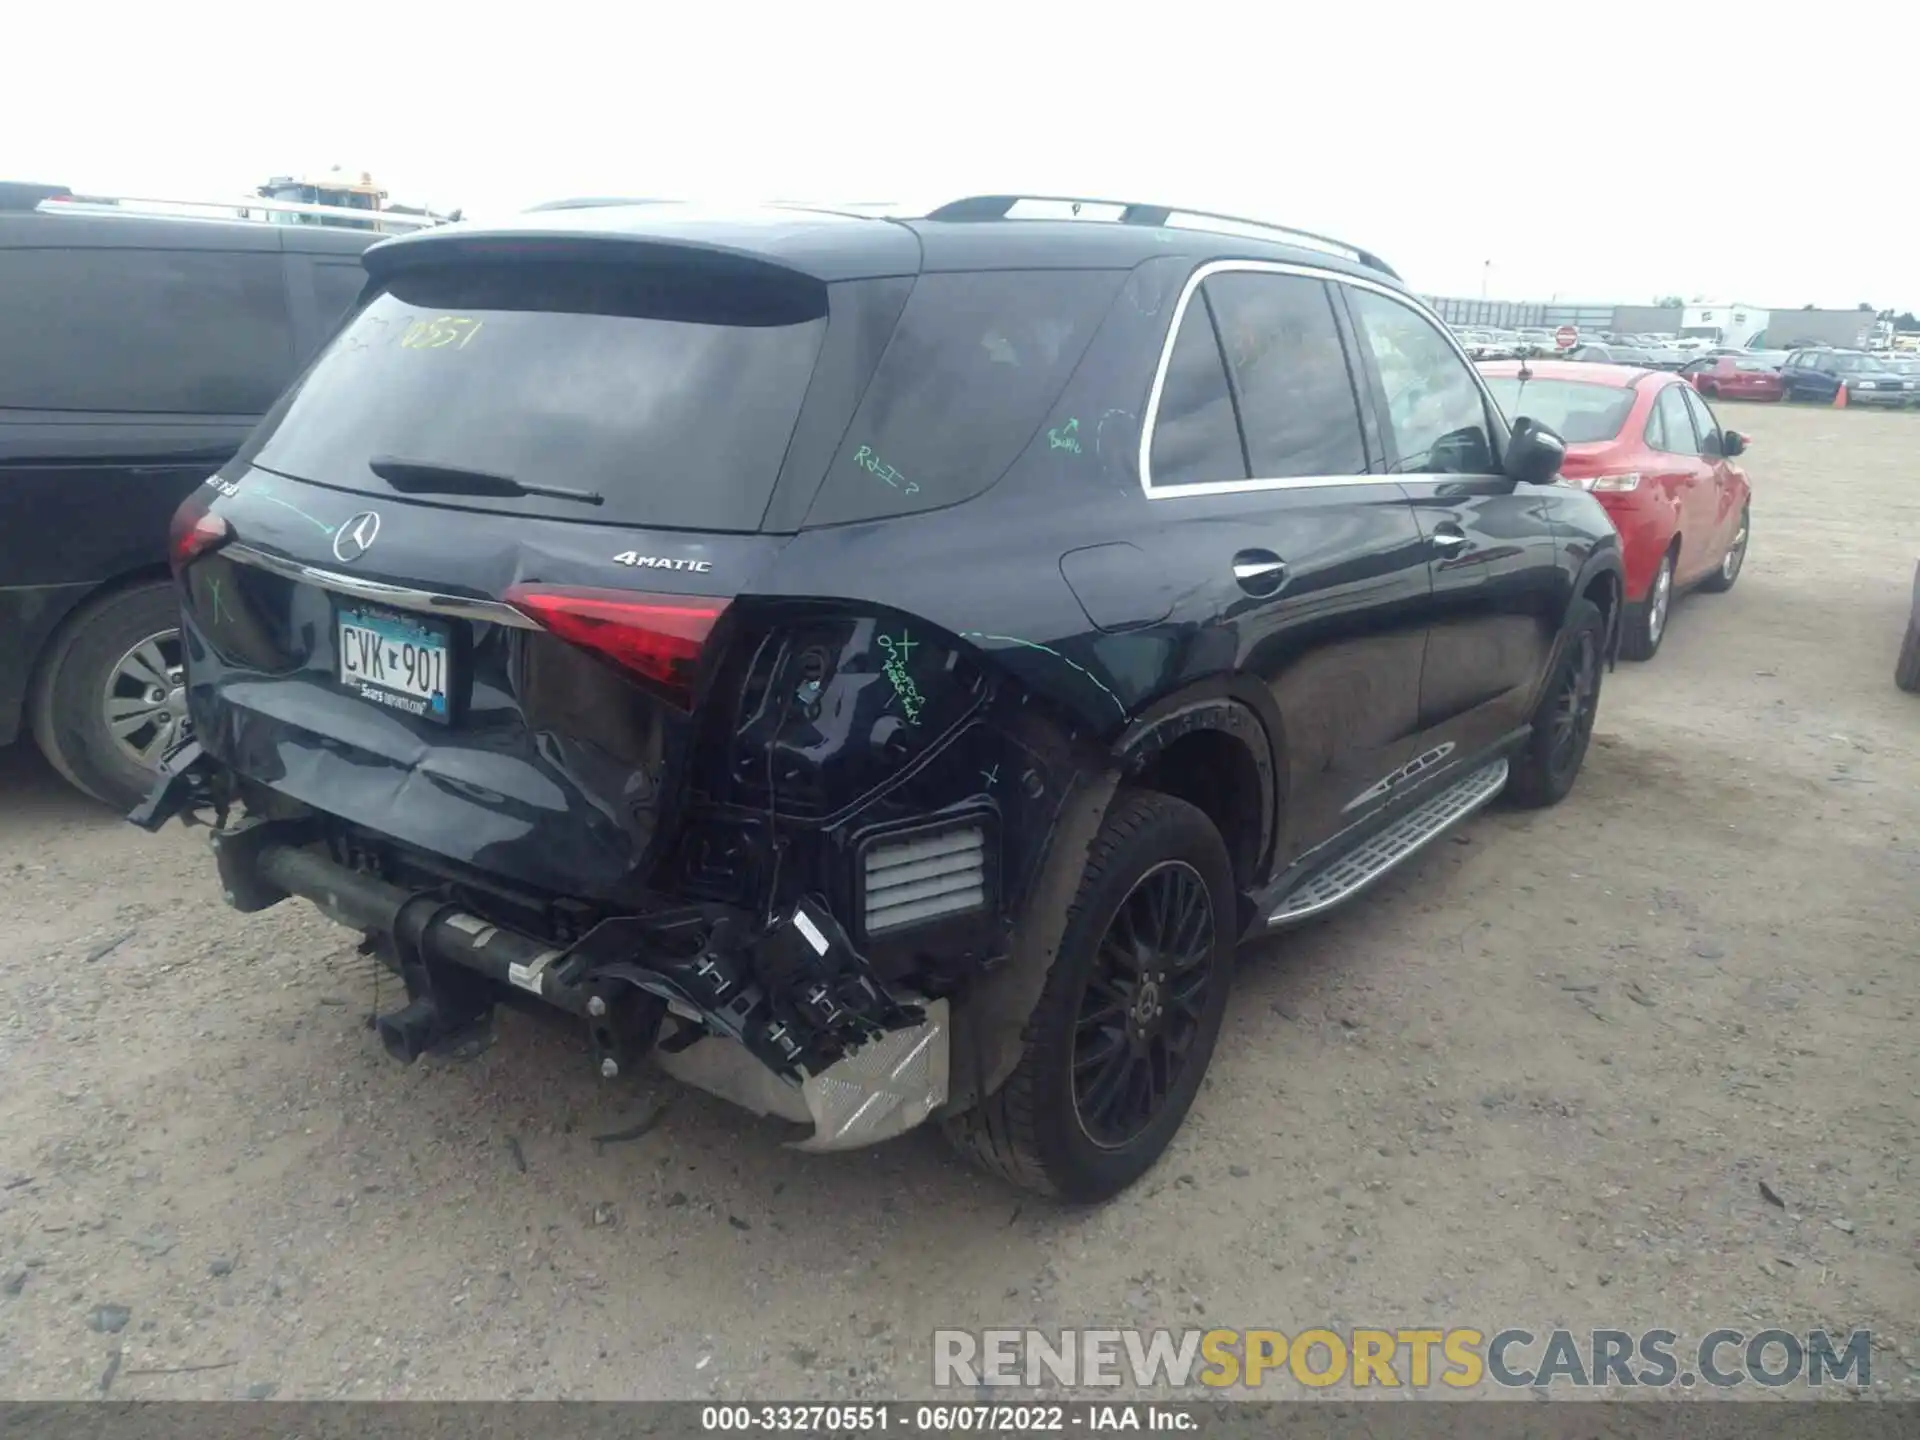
441	332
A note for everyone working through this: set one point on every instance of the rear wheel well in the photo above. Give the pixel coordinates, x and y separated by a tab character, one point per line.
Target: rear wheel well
1212	771
1603	592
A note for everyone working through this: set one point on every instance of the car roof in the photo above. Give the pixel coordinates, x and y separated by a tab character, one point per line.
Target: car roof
835	244
140	230
1624	377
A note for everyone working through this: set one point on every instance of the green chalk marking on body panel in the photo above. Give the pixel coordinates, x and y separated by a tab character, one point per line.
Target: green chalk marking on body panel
1066	437
895	669
1046	650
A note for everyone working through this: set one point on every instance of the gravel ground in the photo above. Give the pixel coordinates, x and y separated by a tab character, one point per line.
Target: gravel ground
1536	1077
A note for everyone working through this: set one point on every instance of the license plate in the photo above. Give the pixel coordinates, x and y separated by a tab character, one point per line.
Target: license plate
401	661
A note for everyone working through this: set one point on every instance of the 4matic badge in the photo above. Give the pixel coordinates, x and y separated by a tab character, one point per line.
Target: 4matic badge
661	562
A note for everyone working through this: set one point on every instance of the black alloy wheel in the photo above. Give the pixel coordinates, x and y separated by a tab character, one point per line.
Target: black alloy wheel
1143	1004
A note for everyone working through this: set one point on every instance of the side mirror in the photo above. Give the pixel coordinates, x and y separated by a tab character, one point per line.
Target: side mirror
1732	443
1534	452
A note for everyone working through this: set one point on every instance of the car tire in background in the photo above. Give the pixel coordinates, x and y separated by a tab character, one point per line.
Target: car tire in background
1544	769
1906	670
1133	1001
109	696
1644	625
1730	564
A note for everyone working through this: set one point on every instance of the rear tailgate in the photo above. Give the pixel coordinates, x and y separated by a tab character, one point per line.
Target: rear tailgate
474	555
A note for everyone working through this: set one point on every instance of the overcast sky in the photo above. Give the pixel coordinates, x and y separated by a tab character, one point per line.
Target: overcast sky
1611	151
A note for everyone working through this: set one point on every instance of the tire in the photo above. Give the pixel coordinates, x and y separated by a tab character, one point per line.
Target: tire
1030	1131
1643	625
1906	671
1545	768
1722	580
130	640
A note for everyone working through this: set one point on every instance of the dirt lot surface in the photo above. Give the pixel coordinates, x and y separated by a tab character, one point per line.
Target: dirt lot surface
1537	1077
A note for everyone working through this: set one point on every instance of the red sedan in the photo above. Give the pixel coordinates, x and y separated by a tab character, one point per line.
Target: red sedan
1735	377
1651	451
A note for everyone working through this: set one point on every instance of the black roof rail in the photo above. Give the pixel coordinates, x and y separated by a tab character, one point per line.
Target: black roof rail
1133	212
25	195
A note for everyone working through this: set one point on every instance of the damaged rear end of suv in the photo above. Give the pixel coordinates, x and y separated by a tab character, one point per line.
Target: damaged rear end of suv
601	624
878	669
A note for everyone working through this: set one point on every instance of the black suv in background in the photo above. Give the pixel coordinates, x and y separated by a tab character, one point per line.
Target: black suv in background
136	352
884	667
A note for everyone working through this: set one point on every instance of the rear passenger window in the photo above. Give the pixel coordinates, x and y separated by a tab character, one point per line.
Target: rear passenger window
1676	426
1195	438
1435	411
969	378
148	331
1297	407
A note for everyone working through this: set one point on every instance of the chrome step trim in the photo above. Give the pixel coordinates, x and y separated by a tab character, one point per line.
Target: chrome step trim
1376	855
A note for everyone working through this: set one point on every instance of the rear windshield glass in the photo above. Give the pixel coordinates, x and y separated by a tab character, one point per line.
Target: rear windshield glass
671	392
1762	365
1576	410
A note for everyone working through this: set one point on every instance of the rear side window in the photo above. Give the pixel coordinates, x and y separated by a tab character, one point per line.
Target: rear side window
168	332
1289	369
967	381
669	391
1196	440
1435	411
1675	427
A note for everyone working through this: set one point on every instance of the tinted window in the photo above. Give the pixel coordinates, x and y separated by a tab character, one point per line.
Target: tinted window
672	393
1694	367
1745	363
1576	410
1437	414
1703	422
967	382
150	331
1289	369
335	288
1195	438
1676	428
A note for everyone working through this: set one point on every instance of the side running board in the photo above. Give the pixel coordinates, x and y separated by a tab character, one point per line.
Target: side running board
1373	857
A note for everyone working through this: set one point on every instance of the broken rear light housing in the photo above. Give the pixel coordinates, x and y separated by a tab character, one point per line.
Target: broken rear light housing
193	533
657	637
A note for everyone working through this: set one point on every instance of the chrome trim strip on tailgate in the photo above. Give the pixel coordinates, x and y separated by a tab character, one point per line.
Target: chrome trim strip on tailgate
403	597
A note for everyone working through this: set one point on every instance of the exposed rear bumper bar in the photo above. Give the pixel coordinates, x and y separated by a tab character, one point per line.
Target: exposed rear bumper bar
831	1047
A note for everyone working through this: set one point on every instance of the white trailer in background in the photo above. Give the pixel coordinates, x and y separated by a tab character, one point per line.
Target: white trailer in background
1735	326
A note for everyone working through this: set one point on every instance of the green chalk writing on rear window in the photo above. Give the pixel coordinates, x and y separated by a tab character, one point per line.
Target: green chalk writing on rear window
1067	437
898	650
865	458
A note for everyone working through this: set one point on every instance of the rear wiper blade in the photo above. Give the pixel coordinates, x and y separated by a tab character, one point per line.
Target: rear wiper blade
418	477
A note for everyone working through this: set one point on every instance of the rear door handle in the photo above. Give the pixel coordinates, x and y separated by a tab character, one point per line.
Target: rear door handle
1259	572
1449	536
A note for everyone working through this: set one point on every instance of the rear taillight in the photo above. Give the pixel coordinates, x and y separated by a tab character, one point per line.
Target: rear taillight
1603	484
658	637
193	533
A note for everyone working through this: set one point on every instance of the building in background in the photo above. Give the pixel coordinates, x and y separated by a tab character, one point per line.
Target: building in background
1741	326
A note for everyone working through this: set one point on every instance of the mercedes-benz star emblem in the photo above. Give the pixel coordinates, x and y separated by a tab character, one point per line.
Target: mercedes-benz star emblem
355	538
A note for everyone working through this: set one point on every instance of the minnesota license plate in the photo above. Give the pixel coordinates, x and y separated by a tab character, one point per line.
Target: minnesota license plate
404	662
